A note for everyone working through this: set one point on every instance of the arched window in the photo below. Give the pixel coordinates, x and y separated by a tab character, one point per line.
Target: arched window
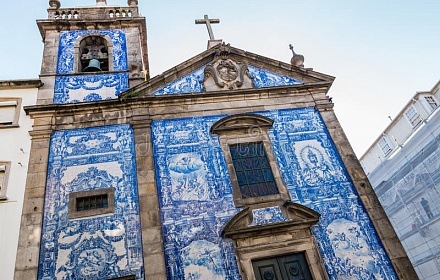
255	176
93	54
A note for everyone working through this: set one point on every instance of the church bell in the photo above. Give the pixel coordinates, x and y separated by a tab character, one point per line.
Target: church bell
94	65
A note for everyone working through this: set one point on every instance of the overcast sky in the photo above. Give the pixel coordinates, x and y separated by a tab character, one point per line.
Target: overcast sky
381	52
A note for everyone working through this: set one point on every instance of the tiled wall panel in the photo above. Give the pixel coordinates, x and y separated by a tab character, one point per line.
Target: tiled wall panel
196	198
85	88
98	247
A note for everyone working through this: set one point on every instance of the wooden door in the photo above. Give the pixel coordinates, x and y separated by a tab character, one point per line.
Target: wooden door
290	267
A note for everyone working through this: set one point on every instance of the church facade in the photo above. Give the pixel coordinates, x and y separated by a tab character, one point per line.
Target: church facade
228	166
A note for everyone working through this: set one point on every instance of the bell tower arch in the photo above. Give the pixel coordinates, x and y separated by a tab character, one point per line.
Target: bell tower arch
95	43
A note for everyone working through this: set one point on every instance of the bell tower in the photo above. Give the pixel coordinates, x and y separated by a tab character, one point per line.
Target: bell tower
83	198
92	53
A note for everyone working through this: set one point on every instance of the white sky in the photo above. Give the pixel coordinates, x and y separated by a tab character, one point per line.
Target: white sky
381	52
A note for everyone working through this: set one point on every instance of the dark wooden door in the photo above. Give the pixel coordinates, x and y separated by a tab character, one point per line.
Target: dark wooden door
291	267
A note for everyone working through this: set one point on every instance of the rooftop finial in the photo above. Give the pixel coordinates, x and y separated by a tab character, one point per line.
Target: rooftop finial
212	41
101	2
208	22
54	4
297	59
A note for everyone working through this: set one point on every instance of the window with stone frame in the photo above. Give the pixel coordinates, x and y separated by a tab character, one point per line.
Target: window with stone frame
432	102
413	116
91	203
4	175
252	166
9	111
385	146
93	54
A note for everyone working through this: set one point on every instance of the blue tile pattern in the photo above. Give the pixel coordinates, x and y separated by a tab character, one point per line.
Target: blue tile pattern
68	39
264	78
86	88
99	247
268	215
193	82
196	200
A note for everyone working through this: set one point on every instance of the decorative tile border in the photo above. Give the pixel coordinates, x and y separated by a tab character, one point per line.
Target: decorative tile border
86	88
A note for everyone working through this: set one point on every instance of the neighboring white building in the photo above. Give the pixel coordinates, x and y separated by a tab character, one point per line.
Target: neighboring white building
403	165
14	156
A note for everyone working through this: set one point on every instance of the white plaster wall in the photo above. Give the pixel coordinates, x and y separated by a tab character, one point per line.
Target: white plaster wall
12	141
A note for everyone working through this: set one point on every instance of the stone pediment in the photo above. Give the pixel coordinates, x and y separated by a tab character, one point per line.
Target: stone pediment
288	216
224	68
241	122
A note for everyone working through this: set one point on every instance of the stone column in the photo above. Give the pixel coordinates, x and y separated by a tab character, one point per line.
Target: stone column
378	217
26	266
152	241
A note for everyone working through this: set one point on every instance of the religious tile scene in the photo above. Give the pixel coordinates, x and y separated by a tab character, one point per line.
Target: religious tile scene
230	165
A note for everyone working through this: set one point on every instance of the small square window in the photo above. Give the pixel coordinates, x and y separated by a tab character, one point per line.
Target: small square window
91	203
131	277
9	111
4	174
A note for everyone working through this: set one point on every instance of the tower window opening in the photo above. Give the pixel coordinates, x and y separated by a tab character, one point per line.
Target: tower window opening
94	54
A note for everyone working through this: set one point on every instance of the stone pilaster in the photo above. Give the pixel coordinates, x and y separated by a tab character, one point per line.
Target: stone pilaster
26	266
153	250
381	223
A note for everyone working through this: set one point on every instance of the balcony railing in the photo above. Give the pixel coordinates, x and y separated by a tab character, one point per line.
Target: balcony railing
107	12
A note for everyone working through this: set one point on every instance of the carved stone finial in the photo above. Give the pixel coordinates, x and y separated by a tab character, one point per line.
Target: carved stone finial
223	51
132	3
297	59
54	4
101	2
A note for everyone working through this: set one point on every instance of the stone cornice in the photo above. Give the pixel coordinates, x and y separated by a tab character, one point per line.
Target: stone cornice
20	84
99	24
320	88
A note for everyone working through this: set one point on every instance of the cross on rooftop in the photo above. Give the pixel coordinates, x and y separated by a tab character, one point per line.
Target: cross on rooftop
208	22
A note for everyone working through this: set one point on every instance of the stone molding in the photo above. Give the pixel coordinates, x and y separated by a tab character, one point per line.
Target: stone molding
262	241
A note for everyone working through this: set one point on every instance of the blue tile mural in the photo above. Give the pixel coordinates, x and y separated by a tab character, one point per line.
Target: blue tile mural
98	247
68	39
193	82
264	78
268	215
86	88
196	198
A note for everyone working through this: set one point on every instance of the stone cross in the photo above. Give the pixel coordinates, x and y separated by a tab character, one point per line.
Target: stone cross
208	22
